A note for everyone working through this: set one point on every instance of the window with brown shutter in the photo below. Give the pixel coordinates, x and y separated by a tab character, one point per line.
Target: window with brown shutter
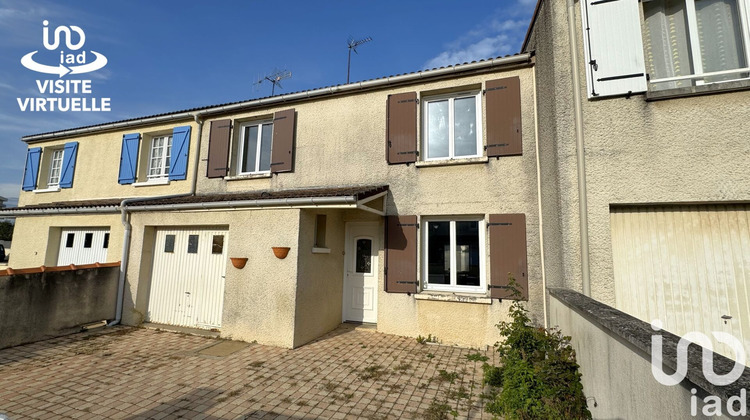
282	150
508	255
503	97
401	254
218	149
401	128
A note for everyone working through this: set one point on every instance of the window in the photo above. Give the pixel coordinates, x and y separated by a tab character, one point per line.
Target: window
105	245
694	42
217	245
161	150
254	154
69	240
454	255
192	244
320	231
55	168
169	243
364	256
452	126
88	239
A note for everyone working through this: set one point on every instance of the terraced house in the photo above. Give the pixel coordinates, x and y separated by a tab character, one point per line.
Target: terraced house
403	202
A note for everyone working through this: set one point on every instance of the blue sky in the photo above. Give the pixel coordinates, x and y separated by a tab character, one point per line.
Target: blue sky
170	55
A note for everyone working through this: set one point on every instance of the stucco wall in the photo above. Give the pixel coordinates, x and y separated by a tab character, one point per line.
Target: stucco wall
38	306
260	299
679	150
36	239
98	166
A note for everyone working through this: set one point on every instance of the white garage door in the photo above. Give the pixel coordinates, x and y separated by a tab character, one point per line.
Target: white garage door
688	266
187	280
83	246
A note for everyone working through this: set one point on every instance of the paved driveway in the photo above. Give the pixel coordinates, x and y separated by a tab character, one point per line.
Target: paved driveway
136	373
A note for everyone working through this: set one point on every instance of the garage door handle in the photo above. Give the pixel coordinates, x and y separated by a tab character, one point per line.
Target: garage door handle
726	318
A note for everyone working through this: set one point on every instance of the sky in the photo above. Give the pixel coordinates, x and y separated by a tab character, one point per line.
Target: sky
167	55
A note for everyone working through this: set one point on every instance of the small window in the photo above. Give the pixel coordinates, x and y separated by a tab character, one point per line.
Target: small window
55	168
88	240
320	231
106	241
169	243
254	154
192	244
454	255
159	158
217	244
452	126
69	240
364	256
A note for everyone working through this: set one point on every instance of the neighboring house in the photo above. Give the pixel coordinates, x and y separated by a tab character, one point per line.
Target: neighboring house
665	116
404	201
2	202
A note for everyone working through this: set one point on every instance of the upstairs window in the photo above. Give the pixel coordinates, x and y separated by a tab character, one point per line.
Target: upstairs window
159	158
695	42
254	154
55	168
452	126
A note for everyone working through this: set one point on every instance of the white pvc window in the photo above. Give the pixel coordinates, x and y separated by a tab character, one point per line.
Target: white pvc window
254	154
452	126
454	255
695	42
55	168
159	159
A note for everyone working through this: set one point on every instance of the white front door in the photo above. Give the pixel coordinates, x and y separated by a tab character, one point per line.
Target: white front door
361	273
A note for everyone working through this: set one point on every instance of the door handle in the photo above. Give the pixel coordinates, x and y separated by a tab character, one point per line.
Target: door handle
726	318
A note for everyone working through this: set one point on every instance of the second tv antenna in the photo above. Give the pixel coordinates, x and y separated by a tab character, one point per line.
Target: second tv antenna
353	46
274	78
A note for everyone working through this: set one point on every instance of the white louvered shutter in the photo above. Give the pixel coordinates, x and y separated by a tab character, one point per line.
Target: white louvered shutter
613	47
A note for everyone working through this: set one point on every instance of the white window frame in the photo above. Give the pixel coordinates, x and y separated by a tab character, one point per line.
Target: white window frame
477	94
55	168
163	169
241	149
698	76
453	287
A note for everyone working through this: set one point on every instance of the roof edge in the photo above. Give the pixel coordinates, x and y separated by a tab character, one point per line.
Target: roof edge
280	99
527	38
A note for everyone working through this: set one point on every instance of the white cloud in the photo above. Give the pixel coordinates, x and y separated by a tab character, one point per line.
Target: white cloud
484	48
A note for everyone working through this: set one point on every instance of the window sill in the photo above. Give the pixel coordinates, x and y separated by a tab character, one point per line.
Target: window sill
454	297
709	89
158	181
321	250
47	190
449	162
249	176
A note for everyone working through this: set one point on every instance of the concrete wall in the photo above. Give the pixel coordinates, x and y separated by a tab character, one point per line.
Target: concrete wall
38	306
260	299
691	149
37	239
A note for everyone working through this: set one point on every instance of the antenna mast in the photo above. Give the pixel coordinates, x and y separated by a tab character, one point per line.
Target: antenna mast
353	46
275	77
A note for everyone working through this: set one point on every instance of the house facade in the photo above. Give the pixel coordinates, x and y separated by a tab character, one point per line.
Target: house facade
645	122
403	202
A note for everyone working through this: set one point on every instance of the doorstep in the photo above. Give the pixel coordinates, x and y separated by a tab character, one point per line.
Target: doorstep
183	330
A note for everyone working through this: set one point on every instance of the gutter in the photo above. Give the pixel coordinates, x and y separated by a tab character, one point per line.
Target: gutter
583	215
237	204
48	211
308	94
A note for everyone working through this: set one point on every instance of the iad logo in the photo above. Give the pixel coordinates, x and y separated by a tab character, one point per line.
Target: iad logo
712	404
67	60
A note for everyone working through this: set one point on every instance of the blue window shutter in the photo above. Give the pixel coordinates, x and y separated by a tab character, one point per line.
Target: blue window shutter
129	158
68	164
32	168
179	158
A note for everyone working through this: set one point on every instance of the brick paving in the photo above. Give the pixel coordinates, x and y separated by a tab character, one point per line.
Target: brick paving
138	373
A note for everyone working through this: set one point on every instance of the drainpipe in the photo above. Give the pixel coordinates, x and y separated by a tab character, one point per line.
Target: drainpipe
583	216
539	199
129	228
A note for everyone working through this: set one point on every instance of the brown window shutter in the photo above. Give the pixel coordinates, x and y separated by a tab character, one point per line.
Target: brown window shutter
282	149
503	98
401	254
401	126
508	254
218	148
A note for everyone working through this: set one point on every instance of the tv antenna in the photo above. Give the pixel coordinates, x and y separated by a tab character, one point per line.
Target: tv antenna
275	77
353	46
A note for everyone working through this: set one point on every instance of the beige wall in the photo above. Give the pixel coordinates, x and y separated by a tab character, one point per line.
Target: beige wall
691	149
98	167
36	239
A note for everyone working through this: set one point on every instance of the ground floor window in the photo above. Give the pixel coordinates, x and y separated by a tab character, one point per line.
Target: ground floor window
453	254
